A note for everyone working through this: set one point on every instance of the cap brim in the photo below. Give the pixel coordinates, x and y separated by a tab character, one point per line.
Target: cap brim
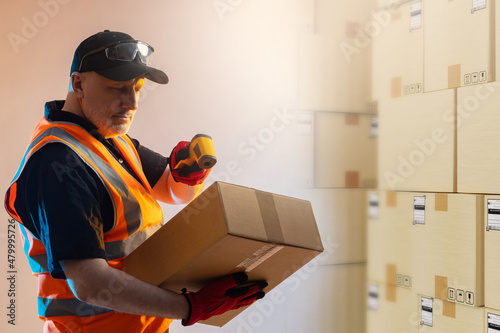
131	70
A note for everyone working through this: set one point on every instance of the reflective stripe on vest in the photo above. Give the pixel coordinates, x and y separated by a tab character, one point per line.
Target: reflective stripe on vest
132	201
127	144
38	262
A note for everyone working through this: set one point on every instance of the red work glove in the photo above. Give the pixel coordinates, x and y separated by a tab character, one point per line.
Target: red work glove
228	293
190	175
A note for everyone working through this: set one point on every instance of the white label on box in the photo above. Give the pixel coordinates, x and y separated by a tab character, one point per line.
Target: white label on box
373	203
373	297
426	311
493	222
374	127
419	209
416	16
493	323
478	5
259	257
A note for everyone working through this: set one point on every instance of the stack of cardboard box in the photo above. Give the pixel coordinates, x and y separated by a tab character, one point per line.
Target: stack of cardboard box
432	234
335	87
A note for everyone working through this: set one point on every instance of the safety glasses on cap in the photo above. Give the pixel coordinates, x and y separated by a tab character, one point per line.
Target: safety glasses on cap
125	51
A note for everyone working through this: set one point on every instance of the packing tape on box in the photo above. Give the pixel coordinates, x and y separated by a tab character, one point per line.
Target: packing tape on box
270	217
351	119
441	202
274	233
449	309
351	179
391	274
395	13
396	87
391	199
454	76
390	293
351	29
258	257
440	287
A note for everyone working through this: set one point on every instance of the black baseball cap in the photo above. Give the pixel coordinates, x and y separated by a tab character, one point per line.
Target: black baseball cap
116	70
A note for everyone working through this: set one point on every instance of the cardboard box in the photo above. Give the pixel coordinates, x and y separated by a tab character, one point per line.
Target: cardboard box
391	309
491	251
447	244
478	121
345	150
417	142
458	43
389	239
442	316
331	79
440	257
226	229
398	52
341	216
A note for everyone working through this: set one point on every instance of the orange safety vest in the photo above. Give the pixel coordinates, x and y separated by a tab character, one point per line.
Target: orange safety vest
137	216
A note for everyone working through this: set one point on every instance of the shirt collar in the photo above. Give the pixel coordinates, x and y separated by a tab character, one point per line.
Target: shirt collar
54	112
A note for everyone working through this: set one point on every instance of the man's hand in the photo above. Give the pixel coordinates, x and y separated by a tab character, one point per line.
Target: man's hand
190	175
180	186
228	293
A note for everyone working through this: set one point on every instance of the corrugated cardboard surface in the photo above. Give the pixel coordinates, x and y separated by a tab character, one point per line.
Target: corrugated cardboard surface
449	317
226	229
398	53
417	142
478	122
491	261
341	216
389	241
395	314
447	251
345	152
458	44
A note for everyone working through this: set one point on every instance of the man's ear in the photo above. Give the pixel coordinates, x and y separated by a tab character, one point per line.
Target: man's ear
76	84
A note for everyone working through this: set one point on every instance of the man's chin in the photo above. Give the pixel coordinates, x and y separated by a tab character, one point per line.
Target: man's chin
116	131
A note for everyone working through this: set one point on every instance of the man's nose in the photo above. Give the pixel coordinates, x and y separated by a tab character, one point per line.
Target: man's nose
131	99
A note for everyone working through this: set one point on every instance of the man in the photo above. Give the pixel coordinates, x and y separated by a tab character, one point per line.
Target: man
85	197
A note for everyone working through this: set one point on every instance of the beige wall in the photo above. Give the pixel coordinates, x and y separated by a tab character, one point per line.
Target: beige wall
234	75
